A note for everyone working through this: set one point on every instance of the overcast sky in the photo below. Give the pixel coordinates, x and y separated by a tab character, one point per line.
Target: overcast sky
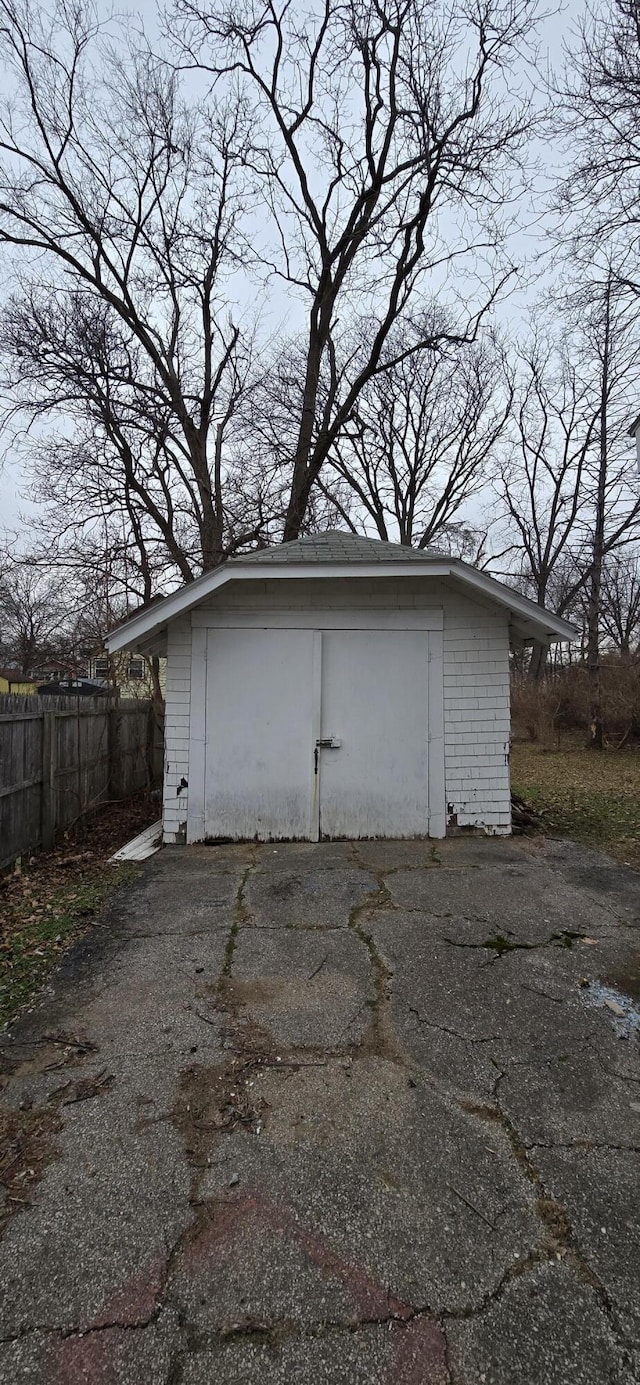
531	244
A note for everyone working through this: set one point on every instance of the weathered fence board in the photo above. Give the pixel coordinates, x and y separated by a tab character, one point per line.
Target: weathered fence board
62	757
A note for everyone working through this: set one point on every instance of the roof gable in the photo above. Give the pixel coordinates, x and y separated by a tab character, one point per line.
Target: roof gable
342	556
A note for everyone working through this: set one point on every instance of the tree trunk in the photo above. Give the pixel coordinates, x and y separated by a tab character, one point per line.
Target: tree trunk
305	471
595	583
300	481
210	518
538	661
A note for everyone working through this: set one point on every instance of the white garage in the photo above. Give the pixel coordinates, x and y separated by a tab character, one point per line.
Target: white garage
337	686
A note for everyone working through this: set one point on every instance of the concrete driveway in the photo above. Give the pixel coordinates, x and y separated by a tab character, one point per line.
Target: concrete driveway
337	1113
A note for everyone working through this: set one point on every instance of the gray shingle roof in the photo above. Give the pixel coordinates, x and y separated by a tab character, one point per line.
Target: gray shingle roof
337	546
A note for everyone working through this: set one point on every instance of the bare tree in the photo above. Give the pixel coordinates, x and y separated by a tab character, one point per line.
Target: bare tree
122	206
421	443
541	482
620	602
382	142
599	107
612	347
569	498
114	453
33	616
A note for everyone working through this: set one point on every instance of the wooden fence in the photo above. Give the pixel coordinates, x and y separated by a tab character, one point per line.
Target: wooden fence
61	757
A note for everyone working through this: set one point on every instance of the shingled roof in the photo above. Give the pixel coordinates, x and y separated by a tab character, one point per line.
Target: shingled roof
344	555
337	546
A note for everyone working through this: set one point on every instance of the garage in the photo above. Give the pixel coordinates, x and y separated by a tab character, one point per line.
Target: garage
337	687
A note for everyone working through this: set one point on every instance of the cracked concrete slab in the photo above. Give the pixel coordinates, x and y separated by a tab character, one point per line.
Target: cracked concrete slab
547	1328
471	995
282	1114
225	858
406	1200
162	987
599	1189
94	1247
503	900
304	856
606	880
307	898
567	1098
202	902
486	852
108	1355
385	858
304	988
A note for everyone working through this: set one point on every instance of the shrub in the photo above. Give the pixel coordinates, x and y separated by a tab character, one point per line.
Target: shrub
534	706
563	699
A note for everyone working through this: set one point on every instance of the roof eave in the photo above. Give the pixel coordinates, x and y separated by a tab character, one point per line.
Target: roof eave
546	625
145	627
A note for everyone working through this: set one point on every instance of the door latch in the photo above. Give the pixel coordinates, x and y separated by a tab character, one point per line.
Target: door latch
324	743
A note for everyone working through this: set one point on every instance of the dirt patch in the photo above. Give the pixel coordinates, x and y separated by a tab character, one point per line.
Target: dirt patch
27	1133
27	1146
31	1058
555	1220
215	1099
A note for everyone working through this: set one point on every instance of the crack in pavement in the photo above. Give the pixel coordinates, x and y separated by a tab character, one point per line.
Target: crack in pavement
501	944
381	1039
586	1145
560	1243
454	1033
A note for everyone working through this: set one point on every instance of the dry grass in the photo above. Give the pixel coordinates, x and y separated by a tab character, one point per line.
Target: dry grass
591	796
53	899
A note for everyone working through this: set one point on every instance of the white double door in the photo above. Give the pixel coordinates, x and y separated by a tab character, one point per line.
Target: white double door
312	734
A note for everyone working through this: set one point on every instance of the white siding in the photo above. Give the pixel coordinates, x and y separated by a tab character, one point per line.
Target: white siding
477	716
176	740
476	686
387	593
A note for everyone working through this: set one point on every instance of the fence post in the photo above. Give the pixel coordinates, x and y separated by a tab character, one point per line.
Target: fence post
49	767
113	742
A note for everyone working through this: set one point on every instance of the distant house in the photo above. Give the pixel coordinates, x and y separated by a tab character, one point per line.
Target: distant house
54	670
12	681
129	674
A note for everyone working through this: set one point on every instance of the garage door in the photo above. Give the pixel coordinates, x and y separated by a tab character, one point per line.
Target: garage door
259	767
313	734
375	702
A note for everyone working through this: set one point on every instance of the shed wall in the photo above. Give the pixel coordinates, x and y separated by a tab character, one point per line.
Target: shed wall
476	715
386	593
476	686
176	739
